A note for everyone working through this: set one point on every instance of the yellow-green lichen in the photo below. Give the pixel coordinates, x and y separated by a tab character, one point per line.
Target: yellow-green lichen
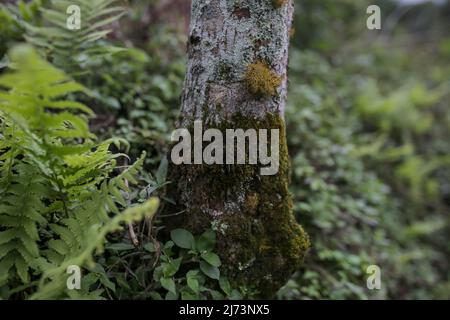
261	81
279	3
252	202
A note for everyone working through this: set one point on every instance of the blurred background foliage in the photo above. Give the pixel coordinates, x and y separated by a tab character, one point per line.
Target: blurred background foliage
368	126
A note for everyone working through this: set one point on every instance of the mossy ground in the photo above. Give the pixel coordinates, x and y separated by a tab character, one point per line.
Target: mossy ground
259	241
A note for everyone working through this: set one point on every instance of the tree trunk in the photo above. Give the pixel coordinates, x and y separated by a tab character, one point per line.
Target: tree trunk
236	78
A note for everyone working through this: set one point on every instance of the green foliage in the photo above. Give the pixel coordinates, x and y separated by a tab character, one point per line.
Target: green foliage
403	112
164	270
183	238
75	50
368	131
53	281
144	107
326	24
367	127
337	200
55	179
193	273
12	24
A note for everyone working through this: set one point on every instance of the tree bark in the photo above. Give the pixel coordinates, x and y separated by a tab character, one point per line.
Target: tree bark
237	78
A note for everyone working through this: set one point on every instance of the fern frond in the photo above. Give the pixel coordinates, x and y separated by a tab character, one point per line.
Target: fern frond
73	48
31	100
56	191
21	215
53	281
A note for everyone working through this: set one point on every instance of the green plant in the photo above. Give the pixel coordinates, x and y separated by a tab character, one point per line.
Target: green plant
12	23
194	272
53	281
369	171
75	50
337	198
141	95
367	127
164	270
55	179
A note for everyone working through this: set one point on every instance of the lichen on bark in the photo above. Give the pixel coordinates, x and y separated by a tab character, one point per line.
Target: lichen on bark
260	80
259	241
279	3
225	37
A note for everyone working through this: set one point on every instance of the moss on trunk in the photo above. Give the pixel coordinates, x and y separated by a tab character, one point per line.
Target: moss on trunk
237	79
259	241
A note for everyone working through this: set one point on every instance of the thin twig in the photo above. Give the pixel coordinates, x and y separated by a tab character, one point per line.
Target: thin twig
133	236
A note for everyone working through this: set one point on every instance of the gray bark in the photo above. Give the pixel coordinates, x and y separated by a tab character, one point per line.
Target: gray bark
224	38
259	241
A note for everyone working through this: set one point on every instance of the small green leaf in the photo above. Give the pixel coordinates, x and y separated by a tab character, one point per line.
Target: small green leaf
193	284
89	279
172	267
235	295
186	295
157	273
150	247
155	295
192	273
212	258
171	296
216	295
168	245
183	238
167	249
169	285
120	246
192	280
225	285
161	174
209	270
108	283
120	278
206	241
